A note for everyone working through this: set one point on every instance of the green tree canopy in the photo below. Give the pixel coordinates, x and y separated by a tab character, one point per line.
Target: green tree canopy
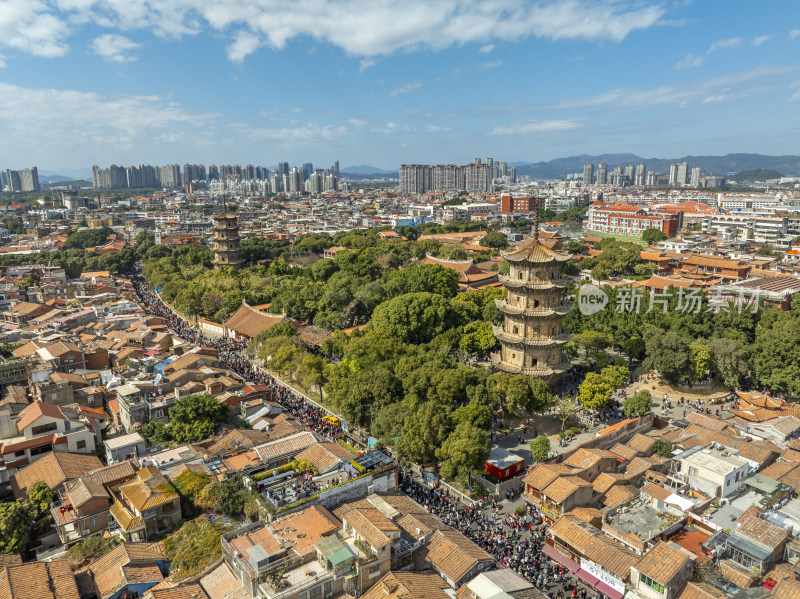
540	448
87	238
595	391
196	417
415	317
668	353
465	449
638	404
653	236
495	239
663	447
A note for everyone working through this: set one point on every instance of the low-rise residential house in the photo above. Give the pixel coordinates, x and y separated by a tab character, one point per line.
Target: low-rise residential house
588	463
410	585
55	470
22	312
539	477
715	472
498	584
302	552
44	428
325	456
63	355
59	393
283	450
128	570
454	557
563	494
124	448
83	506
188	590
596	558
780	429
236	441
374	534
35	580
755	543
145	506
662	572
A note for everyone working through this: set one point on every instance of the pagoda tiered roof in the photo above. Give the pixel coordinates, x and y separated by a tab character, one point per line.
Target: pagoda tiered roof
533	250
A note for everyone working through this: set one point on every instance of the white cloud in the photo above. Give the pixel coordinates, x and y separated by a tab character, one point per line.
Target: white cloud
358	124
735	85
362	28
486	48
731	42
366	63
404	89
757	41
435	129
244	43
28	26
89	127
114	48
490	65
532	127
714	99
309	133
794	33
2	61
386	128
690	61
795	97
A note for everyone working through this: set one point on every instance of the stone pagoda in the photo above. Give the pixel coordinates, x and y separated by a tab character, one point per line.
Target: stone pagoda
532	335
226	240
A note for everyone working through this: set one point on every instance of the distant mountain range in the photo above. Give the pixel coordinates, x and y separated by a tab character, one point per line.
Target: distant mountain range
788	165
65	174
364	171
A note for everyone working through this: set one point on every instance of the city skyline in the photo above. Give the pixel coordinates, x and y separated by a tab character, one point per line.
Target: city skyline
390	83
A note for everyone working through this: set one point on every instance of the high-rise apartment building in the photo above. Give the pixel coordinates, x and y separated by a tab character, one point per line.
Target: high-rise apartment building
641	175
169	175
678	174
695	178
602	173
445	177
14	181
415	178
652	179
249	172
213	172
26	179
295	179
683	173
588	173
308	168
283	169
629	174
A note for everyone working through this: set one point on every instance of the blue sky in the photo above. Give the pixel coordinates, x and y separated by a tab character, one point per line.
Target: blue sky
383	83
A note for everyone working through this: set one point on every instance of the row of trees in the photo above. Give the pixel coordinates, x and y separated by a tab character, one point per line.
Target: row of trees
685	338
333	294
406	389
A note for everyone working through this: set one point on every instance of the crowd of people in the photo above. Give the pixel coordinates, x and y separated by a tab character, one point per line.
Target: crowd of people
515	540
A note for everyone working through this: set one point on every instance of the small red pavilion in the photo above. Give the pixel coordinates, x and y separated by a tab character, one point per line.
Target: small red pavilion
504	464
